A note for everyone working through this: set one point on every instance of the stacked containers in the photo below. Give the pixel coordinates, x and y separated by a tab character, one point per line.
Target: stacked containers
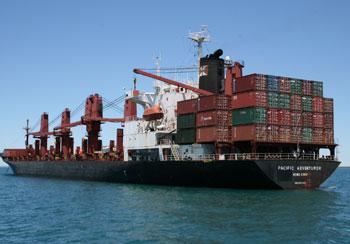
328	118
186	122
213	119
295	110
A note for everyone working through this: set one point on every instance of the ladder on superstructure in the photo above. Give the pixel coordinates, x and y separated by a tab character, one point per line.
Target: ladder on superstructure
175	151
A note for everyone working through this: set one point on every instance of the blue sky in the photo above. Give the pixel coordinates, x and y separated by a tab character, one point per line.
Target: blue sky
53	54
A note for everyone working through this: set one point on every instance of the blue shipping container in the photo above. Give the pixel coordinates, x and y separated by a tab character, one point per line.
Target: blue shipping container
272	83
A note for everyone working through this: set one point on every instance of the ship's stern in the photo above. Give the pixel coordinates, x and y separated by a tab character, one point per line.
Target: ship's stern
298	174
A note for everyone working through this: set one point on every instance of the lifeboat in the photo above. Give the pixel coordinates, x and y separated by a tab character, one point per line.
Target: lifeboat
153	113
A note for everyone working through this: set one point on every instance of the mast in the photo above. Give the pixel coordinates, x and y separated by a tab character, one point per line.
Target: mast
27	134
200	37
158	84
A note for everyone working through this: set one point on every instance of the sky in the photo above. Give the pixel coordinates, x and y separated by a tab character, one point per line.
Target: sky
53	54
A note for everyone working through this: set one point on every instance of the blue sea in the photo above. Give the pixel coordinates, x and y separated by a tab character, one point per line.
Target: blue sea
40	210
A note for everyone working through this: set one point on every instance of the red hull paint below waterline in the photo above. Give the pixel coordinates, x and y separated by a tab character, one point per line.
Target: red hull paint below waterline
247	174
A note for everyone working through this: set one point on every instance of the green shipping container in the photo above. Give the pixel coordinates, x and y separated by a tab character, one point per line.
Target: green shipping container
295	87
307	135
317	88
306	103
186	121
284	101
272	100
249	116
185	136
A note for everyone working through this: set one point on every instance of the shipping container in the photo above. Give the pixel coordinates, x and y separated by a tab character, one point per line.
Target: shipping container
186	136
272	100
187	106
272	83
248	116
307	88
186	121
318	120
214	117
284	100
272	133
284	85
249	99
295	87
317	104
317	88
328	120
214	102
295	118
328	105
307	135
285	134
213	134
306	103
328	136
272	116
318	137
307	118
249	133
284	117
253	82
295	102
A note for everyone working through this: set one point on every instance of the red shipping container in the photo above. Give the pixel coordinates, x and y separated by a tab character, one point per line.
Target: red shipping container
295	119
284	117
295	102
284	84
272	116
317	104
214	117
214	102
328	105
307	87
251	82
249	133
307	119
328	136
187	106
249	99
272	133
328	120
213	134
318	120
317	136
284	134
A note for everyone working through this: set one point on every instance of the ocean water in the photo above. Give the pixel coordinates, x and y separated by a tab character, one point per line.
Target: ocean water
39	210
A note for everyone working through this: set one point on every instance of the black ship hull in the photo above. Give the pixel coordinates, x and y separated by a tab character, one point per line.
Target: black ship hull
248	174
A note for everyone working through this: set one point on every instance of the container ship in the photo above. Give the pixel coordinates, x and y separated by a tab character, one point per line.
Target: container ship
228	130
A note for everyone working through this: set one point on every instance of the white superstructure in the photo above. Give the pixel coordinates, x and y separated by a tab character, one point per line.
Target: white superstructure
140	134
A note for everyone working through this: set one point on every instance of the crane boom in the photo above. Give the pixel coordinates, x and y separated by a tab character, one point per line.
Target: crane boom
172	82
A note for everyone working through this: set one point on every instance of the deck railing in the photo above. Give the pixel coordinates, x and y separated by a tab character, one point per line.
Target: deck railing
252	156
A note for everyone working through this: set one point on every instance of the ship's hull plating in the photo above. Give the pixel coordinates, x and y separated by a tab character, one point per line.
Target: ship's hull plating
253	174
